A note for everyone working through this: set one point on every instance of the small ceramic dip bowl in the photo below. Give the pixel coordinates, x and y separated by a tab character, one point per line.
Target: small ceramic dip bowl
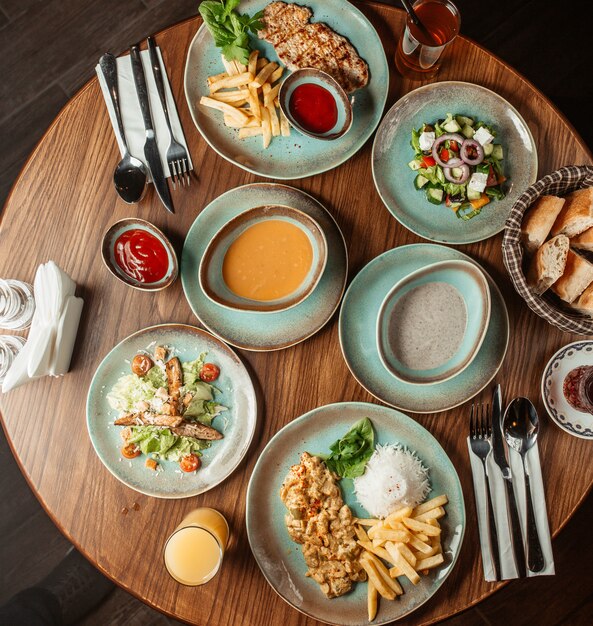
252	264
315	104
433	322
138	253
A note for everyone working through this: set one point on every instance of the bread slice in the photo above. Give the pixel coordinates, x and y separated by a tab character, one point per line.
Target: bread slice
538	221
584	241
584	304
578	275
576	215
548	264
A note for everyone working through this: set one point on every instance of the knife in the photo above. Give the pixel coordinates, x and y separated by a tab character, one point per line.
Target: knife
500	453
151	151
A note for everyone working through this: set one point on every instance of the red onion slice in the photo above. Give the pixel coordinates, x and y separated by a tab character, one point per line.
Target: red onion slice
471	144
437	144
458	181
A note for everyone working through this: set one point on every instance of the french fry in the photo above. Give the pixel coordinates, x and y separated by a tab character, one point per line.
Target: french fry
240	67
266	127
284	125
402	564
384	573
361	533
381	552
435	513
230	110
249	122
276	74
271	95
261	63
237	80
263	74
423	527
374	576
254	104
371	601
366	522
252	66
421	546
422	537
398	515
406	553
230	67
213	79
430	504
250	132
231	96
430	562
390	535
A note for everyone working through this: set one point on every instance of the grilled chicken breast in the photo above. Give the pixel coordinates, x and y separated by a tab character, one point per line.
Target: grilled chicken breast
146	417
197	430
300	43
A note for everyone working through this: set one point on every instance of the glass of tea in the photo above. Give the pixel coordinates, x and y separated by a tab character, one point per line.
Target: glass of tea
419	52
193	553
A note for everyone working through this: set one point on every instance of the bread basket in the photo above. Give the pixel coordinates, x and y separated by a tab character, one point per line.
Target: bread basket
558	183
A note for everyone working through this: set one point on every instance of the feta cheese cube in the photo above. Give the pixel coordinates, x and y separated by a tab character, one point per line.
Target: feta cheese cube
477	182
426	140
482	136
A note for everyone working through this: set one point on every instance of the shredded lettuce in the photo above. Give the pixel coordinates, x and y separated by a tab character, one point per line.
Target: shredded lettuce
455	190
434	174
162	444
131	389
203	411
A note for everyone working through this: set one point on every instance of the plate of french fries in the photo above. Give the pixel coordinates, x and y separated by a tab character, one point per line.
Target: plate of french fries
407	556
235	106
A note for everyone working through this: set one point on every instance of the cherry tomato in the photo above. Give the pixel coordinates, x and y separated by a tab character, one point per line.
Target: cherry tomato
454	145
141	364
190	463
210	372
445	156
428	161
131	451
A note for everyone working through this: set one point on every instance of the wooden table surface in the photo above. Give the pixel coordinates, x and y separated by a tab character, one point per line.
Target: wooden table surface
62	203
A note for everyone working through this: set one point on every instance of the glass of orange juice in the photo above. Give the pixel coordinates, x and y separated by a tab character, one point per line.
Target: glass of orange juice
419	53
193	553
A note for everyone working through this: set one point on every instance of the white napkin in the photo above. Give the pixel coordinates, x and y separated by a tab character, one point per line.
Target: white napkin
498	489
48	349
132	115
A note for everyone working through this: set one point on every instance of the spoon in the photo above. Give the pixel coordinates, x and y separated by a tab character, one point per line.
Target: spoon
520	430
130	174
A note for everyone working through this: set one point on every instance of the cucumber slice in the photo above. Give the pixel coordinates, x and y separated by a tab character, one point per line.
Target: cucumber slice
468	131
420	181
464	121
472	194
414	165
488	148
452	127
497	152
457	172
434	196
440	175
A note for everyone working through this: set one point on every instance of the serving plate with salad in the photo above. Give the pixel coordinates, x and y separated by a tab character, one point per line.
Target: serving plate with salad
450	159
171	411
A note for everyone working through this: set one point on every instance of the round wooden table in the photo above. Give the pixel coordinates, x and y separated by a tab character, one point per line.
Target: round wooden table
61	205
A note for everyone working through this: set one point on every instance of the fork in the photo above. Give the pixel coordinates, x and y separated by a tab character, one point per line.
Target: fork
177	158
480	434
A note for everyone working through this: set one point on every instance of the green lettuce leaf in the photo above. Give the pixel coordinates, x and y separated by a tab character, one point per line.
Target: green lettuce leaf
131	389
350	454
162	444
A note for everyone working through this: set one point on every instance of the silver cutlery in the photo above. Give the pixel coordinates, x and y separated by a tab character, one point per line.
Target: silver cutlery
500	453
177	158
520	429
151	151
130	174
480	432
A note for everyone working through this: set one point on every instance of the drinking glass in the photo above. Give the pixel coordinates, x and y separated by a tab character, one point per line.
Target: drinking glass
10	346
17	304
419	57
193	553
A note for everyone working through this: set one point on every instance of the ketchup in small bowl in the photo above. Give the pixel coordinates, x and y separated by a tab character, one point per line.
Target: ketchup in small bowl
315	104
139	254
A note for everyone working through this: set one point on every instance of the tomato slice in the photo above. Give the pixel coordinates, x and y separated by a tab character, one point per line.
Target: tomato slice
444	154
454	145
210	372
428	161
190	463
131	451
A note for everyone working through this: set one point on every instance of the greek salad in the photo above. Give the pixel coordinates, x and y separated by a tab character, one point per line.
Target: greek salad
457	162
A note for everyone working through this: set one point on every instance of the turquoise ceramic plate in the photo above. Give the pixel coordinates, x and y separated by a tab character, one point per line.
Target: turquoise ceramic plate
471	285
357	328
296	156
281	560
256	330
237	424
392	153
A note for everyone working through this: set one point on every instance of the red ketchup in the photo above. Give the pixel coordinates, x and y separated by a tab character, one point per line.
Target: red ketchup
141	256
314	108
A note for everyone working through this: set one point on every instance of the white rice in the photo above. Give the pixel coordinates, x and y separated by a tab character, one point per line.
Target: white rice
394	477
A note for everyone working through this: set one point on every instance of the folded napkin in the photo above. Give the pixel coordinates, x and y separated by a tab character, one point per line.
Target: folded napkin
132	115
49	346
497	486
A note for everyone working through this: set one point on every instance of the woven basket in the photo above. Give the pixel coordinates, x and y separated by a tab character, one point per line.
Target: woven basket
548	306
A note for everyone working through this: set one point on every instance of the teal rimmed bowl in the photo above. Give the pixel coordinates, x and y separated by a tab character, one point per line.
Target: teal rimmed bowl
470	283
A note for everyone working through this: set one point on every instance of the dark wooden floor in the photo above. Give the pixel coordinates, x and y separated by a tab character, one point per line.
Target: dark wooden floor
48	50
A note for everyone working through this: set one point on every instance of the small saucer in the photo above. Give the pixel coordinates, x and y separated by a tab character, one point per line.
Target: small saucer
566	359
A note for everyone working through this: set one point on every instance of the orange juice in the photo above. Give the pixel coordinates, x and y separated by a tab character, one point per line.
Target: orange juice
193	553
